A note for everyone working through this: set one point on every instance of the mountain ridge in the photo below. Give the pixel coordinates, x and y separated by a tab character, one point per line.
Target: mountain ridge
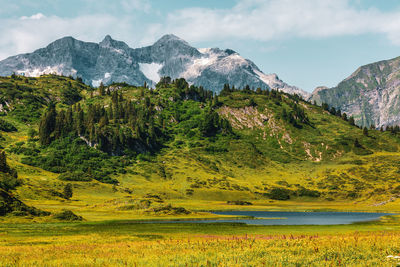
114	61
369	94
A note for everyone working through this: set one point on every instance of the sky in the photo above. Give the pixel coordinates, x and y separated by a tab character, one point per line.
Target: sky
307	43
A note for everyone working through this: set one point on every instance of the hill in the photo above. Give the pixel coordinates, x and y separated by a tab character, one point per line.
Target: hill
135	152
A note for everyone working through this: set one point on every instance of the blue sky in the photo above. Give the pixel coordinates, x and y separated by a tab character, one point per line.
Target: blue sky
308	43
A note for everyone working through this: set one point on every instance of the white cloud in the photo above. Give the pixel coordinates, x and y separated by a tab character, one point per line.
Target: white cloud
23	33
27	35
36	16
266	20
260	20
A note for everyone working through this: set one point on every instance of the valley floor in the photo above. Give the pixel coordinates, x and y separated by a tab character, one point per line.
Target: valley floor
123	243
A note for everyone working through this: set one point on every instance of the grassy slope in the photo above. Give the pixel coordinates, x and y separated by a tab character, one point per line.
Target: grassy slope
202	174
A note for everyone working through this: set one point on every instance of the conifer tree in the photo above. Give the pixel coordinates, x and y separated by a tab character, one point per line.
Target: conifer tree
101	89
47	125
351	121
3	163
365	131
67	192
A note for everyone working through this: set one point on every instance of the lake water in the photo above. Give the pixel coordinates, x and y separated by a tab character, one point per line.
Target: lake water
302	218
293	218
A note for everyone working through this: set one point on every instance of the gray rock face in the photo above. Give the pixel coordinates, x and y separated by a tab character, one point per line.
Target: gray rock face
370	94
114	61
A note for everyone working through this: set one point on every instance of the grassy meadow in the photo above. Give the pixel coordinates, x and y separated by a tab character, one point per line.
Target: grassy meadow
123	243
179	153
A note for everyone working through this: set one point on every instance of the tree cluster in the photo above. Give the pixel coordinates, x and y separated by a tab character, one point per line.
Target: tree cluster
8	176
296	116
113	129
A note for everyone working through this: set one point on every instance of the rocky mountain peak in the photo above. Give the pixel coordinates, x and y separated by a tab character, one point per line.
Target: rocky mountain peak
319	88
63	42
170	38
106	41
369	94
114	61
109	42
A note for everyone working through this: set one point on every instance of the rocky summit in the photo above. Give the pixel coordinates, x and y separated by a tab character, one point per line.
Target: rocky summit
370	94
114	61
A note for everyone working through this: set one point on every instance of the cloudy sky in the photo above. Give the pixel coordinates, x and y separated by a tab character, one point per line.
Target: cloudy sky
306	42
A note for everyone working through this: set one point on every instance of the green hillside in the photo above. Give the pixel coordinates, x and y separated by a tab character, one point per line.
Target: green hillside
132	152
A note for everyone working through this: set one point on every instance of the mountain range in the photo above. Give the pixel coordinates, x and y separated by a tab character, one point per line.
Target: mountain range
370	94
114	61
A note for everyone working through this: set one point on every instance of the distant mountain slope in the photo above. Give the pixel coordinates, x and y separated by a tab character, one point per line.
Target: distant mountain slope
114	61
370	94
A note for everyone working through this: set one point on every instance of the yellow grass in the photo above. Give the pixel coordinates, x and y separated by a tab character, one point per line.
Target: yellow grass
355	249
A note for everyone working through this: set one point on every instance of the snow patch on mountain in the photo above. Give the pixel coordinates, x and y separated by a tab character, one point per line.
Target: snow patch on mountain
268	79
229	63
151	71
36	72
197	66
275	83
118	51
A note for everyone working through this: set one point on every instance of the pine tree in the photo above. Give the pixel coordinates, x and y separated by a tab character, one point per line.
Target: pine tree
351	121
79	123
47	125
357	143
67	192
3	163
102	89
365	131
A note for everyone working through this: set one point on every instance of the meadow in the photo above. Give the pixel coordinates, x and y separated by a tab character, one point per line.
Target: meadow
124	243
242	150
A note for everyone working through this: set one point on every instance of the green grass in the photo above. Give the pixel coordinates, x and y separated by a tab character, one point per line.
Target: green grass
264	153
312	160
121	243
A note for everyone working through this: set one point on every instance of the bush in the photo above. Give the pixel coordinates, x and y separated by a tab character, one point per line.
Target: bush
169	210
67	215
304	192
72	155
77	176
8	182
11	205
6	126
67	192
279	193
239	202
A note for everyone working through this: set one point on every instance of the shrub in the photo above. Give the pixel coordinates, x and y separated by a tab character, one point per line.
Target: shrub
168	209
67	215
67	192
239	202
8	182
77	176
304	192
279	193
6	126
